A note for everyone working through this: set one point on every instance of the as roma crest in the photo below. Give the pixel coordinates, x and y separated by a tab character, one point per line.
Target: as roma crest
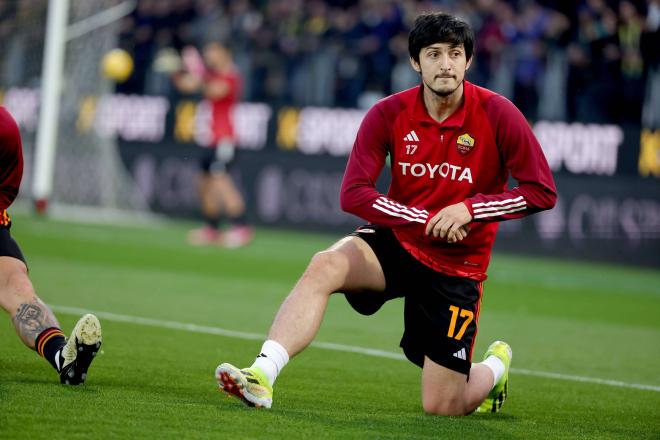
465	143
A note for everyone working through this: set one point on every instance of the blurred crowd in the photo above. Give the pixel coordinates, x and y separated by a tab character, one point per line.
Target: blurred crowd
588	60
582	60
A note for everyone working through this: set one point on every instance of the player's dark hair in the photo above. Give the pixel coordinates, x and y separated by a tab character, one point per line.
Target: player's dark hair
438	27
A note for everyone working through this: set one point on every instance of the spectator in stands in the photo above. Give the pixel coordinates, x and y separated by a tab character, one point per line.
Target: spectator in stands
632	67
651	56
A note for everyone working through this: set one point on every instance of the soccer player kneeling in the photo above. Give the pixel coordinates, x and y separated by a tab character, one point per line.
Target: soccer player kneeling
453	146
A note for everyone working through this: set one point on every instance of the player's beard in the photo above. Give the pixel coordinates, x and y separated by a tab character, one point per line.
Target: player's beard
444	92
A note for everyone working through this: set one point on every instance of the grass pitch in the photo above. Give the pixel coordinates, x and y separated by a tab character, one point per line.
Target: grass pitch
578	322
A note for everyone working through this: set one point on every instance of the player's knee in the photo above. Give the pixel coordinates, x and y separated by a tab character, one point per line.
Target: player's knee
445	406
329	265
20	283
16	285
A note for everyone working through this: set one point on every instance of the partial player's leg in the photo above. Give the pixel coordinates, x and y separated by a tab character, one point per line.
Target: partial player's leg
447	392
229	196
209	201
35	323
29	314
348	266
440	329
210	206
239	233
233	204
38	328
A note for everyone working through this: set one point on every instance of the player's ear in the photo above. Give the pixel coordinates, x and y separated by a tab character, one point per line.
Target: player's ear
415	65
469	63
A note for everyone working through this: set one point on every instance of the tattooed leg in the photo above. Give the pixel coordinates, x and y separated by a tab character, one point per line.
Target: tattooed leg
29	314
31	319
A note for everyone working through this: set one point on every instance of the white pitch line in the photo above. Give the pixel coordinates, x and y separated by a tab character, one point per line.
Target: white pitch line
194	328
614	383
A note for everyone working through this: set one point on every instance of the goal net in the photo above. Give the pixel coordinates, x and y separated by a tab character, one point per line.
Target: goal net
87	169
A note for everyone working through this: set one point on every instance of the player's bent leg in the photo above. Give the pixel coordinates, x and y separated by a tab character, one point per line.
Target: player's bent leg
443	390
348	265
449	393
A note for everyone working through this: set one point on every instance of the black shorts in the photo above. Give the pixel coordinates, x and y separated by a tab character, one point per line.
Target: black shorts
218	159
8	246
440	311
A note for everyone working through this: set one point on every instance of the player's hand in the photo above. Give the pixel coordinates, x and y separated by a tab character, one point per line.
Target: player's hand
461	233
450	223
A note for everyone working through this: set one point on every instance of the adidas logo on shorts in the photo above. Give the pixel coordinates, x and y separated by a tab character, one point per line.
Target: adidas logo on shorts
461	354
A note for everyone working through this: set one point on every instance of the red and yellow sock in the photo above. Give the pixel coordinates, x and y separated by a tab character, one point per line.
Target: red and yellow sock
48	344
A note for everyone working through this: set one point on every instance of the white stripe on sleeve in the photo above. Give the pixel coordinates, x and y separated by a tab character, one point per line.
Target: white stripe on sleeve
494	214
413	212
398	214
498	202
499	208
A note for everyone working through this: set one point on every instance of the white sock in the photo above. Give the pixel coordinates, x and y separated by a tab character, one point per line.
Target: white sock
496	367
271	360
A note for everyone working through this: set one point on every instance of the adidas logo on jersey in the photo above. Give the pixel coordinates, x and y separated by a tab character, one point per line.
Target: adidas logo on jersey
411	137
461	354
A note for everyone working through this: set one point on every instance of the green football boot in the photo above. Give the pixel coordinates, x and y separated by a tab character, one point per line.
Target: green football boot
497	395
249	384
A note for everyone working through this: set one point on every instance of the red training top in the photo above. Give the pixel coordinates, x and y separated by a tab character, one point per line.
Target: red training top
11	163
467	158
222	109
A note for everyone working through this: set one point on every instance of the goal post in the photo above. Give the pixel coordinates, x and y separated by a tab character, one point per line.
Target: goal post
65	165
51	86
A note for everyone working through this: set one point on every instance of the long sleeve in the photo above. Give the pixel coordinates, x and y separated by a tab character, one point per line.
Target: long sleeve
523	158
358	191
11	159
